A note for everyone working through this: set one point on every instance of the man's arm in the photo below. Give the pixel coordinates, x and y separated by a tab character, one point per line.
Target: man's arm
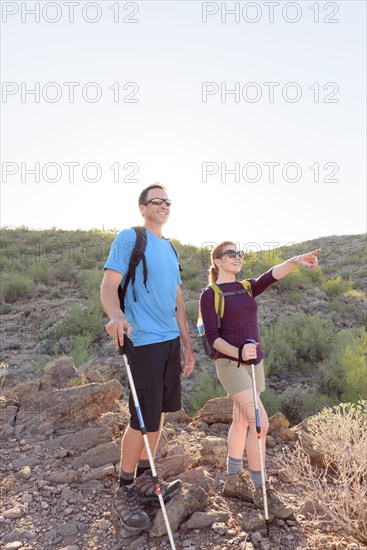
111	304
184	333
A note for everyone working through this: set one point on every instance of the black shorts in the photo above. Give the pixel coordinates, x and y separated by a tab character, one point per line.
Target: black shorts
156	371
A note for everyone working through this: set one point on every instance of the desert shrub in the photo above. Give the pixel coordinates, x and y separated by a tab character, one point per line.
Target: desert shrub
296	343
65	269
80	351
207	386
40	272
295	280
196	283
271	401
192	309
89	282
340	487
354	361
3	369
14	286
335	286
299	402
79	321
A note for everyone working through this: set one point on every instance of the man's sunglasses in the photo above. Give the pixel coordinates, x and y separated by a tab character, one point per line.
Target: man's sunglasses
158	202
233	253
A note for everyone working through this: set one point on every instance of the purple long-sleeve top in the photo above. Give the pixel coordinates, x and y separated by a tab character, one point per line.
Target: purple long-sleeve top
239	321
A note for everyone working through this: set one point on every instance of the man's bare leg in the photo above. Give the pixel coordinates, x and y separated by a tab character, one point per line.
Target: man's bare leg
133	447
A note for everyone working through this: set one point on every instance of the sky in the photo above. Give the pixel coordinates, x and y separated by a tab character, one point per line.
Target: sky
252	114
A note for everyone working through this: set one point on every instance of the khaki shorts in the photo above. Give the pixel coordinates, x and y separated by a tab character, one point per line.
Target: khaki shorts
234	379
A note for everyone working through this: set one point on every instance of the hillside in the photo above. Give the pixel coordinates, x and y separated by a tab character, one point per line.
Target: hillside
50	307
63	404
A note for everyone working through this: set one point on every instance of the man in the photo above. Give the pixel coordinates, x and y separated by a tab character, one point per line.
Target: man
154	318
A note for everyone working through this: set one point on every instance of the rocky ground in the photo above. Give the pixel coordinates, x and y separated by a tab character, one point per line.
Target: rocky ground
60	440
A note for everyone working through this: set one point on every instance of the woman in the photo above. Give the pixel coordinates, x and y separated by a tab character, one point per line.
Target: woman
239	323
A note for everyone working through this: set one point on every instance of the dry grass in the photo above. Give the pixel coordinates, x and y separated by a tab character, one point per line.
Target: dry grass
339	489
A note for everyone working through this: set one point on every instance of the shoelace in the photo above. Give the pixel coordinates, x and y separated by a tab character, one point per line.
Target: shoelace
131	500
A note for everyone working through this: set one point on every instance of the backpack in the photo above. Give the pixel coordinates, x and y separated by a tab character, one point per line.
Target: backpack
219	309
137	256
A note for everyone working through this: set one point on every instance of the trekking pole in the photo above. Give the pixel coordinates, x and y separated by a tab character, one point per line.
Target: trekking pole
128	344
258	431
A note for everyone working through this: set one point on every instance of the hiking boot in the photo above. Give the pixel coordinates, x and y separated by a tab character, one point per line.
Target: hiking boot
276	506
238	485
126	507
146	490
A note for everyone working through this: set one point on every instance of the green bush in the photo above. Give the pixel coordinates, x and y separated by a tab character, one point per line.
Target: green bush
271	401
296	344
41	272
89	282
207	386
297	403
80	350
79	321
335	286
14	286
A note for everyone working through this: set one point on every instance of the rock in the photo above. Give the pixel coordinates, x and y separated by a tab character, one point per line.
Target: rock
200	520
253	521
90	488
60	477
278	420
103	370
198	476
307	442
15	512
270	441
87	438
214	450
256	537
178	417
62	374
48	411
25	473
26	462
99	473
220	528
99	456
163	444
284	476
23	389
13	545
282	433
18	534
314	509
189	500
171	466
67	529
215	410
176	450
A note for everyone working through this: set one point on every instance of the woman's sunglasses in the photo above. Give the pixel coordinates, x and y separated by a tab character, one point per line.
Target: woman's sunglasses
233	253
158	202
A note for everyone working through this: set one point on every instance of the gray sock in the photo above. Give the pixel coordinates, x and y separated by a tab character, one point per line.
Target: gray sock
234	465
126	478
256	478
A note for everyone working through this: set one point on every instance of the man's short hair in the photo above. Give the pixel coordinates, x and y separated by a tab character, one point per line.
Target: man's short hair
144	193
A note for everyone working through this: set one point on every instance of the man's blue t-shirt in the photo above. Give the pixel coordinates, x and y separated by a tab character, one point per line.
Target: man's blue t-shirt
153	316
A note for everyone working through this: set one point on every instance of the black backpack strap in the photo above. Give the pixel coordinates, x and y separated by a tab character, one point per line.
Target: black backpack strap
136	256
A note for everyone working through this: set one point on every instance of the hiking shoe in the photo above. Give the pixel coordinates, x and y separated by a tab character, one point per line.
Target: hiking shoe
276	505
126	507
146	490
238	485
